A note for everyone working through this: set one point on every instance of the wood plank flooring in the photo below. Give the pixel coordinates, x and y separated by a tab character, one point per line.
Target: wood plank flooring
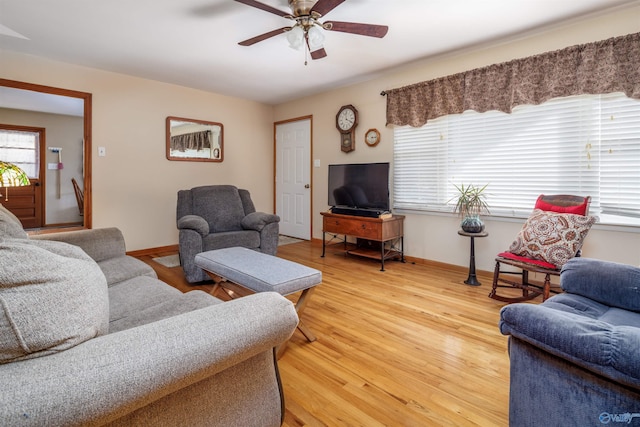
410	346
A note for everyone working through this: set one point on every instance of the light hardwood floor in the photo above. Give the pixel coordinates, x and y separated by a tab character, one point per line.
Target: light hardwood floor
410	346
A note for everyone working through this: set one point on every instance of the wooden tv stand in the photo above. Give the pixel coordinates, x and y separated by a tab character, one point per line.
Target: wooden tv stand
386	231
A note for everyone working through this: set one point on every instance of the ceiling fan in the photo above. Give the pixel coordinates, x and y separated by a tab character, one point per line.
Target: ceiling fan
307	30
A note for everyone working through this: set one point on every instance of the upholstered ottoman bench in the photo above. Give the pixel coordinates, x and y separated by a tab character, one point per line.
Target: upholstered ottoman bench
258	272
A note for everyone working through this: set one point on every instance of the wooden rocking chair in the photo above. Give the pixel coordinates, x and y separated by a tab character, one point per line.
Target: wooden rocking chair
504	278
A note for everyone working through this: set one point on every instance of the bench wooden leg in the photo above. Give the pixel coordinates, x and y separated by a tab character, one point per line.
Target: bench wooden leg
233	290
306	331
215	288
281	348
300	306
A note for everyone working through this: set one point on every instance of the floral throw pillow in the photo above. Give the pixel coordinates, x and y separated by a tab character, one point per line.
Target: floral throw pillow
552	237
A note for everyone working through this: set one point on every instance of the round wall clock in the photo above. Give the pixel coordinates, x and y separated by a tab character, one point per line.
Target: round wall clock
372	137
346	122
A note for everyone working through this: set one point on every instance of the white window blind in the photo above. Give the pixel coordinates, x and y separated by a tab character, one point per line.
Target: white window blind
620	158
582	145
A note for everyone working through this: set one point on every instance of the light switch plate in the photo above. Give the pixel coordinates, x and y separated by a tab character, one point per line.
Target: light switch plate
102	151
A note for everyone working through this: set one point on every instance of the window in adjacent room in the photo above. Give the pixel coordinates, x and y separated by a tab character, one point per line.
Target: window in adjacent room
22	148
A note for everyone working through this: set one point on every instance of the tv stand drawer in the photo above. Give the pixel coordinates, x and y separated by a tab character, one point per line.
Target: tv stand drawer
379	229
353	227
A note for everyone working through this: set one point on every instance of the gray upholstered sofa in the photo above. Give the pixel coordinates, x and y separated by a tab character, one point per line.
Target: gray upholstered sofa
575	359
91	337
221	216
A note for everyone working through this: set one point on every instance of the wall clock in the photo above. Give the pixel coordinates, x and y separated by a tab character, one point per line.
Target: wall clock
372	137
346	122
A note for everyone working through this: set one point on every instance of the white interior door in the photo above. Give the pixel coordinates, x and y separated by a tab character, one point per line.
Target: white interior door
293	178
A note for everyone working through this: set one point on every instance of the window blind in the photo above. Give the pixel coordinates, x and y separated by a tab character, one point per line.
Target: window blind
582	145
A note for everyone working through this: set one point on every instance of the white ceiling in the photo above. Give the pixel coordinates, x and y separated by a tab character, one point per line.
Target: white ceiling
194	43
38	101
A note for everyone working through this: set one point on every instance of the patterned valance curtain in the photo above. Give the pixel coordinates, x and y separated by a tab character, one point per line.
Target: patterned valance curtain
612	65
191	141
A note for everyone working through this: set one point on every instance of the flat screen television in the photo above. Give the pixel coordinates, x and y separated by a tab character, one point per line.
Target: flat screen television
361	186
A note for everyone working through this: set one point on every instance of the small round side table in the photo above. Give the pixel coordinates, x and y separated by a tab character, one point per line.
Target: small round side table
472	279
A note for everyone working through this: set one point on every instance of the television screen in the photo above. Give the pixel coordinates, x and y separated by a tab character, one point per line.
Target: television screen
361	185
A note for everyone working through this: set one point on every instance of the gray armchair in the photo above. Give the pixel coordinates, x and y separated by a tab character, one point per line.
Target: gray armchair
221	216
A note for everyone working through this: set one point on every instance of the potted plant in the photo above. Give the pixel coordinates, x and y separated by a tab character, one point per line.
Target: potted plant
470	203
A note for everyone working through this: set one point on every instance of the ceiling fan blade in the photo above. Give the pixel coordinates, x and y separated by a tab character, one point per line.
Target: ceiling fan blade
264	7
318	54
322	7
370	30
264	36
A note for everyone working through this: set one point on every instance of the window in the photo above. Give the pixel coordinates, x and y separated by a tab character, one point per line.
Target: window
583	145
22	149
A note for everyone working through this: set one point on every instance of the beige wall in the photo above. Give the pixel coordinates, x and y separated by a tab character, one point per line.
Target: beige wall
135	186
434	236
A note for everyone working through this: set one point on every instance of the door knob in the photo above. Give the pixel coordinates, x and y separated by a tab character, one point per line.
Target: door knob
306	186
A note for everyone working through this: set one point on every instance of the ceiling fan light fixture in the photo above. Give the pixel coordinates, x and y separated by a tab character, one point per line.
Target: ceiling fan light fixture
307	34
295	37
315	37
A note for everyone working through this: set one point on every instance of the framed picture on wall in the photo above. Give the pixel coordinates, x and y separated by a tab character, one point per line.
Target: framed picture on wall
194	140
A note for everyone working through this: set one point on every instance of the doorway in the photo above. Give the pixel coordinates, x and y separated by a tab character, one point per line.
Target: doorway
70	128
293	176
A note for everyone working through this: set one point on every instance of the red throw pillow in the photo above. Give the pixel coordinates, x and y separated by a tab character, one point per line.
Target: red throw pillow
546	206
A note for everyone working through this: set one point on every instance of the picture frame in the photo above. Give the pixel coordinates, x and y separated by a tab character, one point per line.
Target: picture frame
194	140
